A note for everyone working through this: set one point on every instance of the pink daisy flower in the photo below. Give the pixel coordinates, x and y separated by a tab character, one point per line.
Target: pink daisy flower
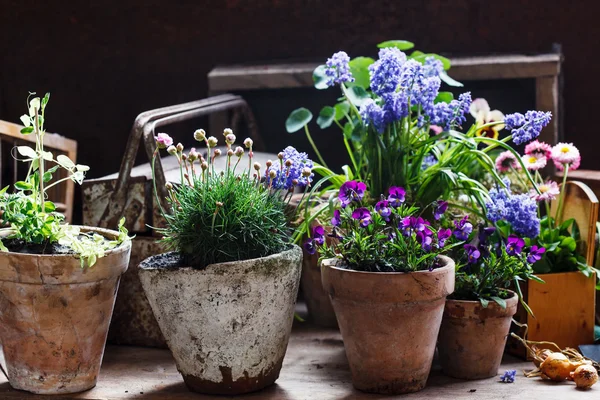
163	140
566	154
536	147
505	161
534	161
548	191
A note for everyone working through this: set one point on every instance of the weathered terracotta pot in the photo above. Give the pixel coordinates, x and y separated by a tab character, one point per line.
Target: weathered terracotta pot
54	317
320	310
472	338
389	323
227	325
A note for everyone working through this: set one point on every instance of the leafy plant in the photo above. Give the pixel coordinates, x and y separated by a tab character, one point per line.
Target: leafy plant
217	217
27	217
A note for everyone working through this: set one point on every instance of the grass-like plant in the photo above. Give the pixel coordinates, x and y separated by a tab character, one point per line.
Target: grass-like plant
221	216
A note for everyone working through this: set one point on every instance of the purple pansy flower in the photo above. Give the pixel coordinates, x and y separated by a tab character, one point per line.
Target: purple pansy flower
318	234
424	240
535	254
473	253
363	215
396	196
514	245
463	228
442	236
440	209
351	191
404	226
310	246
337	219
383	208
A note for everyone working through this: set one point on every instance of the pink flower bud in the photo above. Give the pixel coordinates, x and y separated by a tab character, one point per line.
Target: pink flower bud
288	163
306	172
269	163
171	150
212	141
248	143
239	151
257	166
217	152
280	155
273	174
200	135
230	139
179	147
163	140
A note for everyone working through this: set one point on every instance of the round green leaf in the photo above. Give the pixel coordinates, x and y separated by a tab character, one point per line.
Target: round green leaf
341	109
444	97
359	67
357	95
399	44
326	117
298	119
22	185
450	81
27	130
319	78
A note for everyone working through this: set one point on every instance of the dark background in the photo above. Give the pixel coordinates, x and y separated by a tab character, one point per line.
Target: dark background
106	61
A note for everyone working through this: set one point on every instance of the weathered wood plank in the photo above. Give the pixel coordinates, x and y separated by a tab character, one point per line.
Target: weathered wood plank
315	367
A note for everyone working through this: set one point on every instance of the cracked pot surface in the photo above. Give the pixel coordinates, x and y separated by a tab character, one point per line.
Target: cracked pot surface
54	317
227	325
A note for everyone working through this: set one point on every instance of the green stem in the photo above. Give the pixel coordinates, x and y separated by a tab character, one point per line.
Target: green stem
162	211
561	198
312	143
40	149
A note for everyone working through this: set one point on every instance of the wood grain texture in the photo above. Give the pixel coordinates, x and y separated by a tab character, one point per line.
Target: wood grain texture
315	368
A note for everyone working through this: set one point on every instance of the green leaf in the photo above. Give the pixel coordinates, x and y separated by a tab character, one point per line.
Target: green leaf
22	185
27	151
65	161
49	206
82	168
500	301
484	303
399	44
326	117
298	119
449	81
357	95
319	77
416	53
26	120
3	247
341	109
357	132
444	97
359	67
27	130
47	176
45	100
348	130
569	243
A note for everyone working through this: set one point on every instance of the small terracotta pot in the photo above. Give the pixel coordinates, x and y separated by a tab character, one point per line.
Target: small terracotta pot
472	338
320	310
227	325
389	322
54	317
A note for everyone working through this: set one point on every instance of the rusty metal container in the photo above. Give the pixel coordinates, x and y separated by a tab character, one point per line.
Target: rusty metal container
129	193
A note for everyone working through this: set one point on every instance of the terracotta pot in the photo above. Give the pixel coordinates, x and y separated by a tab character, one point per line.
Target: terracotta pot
389	322
227	325
472	338
320	310
54	317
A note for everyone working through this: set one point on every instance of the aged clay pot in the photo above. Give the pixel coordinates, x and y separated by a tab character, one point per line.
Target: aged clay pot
54	317
320	310
227	325
389	323
472	338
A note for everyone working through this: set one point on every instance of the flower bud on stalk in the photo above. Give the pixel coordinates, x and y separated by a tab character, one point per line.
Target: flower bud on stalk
212	141
257	166
200	135
280	155
230	139
217	153
204	165
193	155
272	174
288	163
239	151
172	150
229	153
248	143
269	163
227	131
179	147
306	172
169	186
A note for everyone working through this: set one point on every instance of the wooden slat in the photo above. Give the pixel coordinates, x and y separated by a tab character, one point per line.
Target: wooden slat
315	367
287	75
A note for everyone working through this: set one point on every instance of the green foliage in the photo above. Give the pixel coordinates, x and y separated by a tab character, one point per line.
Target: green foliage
225	218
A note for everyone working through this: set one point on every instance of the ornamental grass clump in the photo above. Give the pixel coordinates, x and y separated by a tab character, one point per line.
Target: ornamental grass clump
390	236
240	213
29	222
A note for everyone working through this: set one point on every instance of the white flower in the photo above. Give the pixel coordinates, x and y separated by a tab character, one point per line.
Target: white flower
565	153
534	162
480	110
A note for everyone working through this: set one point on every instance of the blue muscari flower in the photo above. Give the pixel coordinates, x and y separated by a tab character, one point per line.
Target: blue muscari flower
432	67
526	127
285	179
428	161
395	106
427	94
509	376
385	72
519	210
337	69
373	115
451	114
411	75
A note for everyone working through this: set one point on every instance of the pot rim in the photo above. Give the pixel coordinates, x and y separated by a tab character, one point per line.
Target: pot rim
449	265
491	302
107	233
144	263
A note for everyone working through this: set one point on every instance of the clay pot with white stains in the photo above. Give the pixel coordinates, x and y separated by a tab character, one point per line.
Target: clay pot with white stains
54	317
228	324
389	322
472	337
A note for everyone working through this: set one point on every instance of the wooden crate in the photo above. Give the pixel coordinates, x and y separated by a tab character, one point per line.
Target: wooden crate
564	307
10	136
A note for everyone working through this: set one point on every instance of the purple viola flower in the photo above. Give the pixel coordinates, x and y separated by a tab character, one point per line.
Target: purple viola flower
442	236
363	215
337	218
310	246
473	253
440	209
418	224
383	208
463	228
485	233
396	197
334	234
318	234
514	245
424	240
337	69
351	191
535	254
391	236
405	227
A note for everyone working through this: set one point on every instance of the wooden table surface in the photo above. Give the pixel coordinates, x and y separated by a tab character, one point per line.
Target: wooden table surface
315	368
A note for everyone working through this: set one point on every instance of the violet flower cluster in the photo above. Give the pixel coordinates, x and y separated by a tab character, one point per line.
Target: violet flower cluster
520	211
288	172
384	237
